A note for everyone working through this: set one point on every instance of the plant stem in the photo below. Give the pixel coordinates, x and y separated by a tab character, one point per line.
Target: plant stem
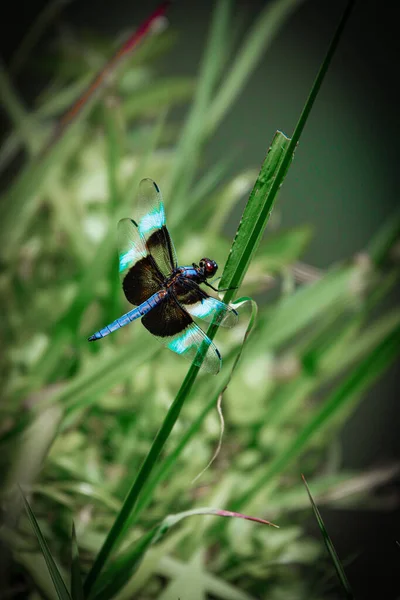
144	473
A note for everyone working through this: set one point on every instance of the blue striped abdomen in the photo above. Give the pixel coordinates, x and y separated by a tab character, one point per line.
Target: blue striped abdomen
130	316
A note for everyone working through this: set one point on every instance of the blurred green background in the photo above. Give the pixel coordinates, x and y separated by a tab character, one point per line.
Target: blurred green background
344	178
343	183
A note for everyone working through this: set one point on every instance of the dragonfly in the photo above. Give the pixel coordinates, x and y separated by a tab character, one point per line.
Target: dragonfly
166	296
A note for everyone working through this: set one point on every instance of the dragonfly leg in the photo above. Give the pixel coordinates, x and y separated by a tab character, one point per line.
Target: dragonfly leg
220	289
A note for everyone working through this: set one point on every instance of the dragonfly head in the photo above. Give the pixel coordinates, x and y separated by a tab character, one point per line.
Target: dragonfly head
208	267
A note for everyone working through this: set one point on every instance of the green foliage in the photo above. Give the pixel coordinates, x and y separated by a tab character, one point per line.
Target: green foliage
330	547
55	574
93	430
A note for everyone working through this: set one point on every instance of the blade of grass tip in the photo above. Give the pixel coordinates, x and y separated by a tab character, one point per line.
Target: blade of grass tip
55	574
330	547
240	256
76	579
255	216
150	25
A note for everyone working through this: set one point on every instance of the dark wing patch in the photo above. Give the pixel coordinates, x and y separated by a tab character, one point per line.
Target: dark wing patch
188	292
142	281
162	249
166	319
175	329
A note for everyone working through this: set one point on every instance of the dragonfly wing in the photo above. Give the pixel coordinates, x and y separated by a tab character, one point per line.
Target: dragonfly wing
199	304
213	311
173	326
140	276
150	221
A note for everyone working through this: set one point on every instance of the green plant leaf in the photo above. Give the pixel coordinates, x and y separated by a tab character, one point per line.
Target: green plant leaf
330	547
188	151
125	564
255	216
382	242
366	372
263	31
76	579
162	471
58	581
263	196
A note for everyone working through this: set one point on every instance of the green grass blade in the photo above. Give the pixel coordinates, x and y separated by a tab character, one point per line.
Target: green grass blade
330	547
25	458
13	107
297	311
364	375
123	517
237	268
255	216
55	575
88	97
76	579
94	270
263	32
24	195
34	33
382	242
163	470
144	473
127	562
233	275
188	150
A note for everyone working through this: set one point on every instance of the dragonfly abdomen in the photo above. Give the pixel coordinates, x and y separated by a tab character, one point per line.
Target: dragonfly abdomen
130	316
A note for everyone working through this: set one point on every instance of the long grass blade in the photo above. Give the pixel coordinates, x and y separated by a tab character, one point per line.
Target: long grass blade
162	471
330	547
126	563
148	26
76	579
233	271
237	268
55	574
192	138
255	216
366	373
263	32
20	118
172	415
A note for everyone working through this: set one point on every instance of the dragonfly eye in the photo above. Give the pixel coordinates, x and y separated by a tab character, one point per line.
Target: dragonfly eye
210	267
